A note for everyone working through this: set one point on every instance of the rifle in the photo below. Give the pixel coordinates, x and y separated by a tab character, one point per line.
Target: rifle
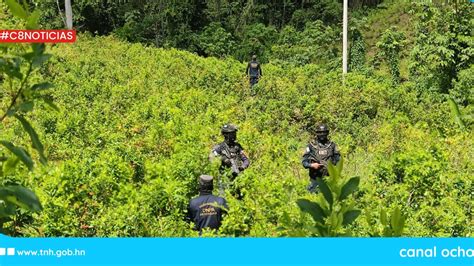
234	167
323	169
233	164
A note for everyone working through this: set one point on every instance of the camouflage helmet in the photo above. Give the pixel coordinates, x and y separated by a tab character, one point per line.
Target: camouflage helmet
322	130
254	57
228	128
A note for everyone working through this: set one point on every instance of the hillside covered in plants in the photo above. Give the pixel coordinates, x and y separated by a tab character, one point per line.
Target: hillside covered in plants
135	124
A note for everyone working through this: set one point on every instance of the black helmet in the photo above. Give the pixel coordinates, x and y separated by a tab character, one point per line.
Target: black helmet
228	128
322	130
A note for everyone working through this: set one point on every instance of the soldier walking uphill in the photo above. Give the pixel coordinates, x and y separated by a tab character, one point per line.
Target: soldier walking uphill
318	154
206	210
253	71
232	156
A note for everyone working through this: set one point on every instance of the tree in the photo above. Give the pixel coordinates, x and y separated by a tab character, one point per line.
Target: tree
390	45
443	44
215	41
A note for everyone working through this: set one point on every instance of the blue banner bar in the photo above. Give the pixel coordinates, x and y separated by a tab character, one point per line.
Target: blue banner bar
236	251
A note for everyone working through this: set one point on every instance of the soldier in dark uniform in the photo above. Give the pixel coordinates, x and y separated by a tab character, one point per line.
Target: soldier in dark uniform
253	71
206	210
317	156
231	154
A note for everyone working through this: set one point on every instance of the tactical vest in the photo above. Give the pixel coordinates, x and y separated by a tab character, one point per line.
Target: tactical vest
232	152
253	69
322	153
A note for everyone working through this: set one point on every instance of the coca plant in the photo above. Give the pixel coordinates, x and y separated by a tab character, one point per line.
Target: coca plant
18	67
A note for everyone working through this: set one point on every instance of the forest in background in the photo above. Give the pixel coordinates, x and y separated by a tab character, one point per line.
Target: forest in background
135	122
210	28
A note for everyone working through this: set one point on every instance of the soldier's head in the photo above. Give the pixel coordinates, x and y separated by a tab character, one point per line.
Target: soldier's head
322	133
254	57
229	132
206	183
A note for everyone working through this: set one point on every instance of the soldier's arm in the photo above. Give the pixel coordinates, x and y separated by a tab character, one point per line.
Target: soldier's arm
215	153
247	69
337	155
189	216
245	160
260	70
306	159
243	157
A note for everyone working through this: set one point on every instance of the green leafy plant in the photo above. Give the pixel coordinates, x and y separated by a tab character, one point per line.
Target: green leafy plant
387	226
391	44
17	73
443	44
215	41
357	51
316	44
137	124
456	114
335	210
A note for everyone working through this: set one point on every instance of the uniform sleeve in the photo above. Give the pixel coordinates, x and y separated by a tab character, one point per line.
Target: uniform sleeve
247	69
245	160
307	158
243	157
215	152
337	155
189	216
224	204
260	70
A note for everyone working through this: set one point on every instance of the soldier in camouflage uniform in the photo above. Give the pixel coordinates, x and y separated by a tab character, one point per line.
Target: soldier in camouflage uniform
318	154
231	154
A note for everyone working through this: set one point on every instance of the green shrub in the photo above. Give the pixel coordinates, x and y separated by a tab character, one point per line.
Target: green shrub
136	125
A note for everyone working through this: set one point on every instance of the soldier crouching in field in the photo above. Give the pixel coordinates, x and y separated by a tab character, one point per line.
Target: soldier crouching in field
317	155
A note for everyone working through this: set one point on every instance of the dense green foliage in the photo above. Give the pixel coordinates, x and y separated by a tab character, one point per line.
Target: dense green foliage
443	44
136	124
334	209
390	46
296	31
203	27
19	94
